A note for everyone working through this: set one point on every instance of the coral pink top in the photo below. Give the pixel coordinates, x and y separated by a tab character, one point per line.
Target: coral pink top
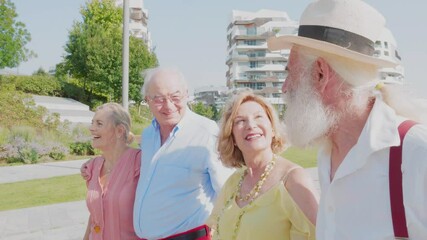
111	210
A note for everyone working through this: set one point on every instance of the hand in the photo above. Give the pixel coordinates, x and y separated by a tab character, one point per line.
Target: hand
84	171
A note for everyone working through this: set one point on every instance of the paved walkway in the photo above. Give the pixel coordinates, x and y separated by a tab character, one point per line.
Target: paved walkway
65	221
37	171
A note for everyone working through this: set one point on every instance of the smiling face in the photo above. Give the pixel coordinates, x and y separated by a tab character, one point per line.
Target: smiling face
167	98
104	133
252	129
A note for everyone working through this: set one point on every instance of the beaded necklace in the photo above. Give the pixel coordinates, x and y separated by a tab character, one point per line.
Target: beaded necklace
255	190
249	197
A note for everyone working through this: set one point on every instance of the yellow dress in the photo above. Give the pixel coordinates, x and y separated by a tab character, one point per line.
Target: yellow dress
273	215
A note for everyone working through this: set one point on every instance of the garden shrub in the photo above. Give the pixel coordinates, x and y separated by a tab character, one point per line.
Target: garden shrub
25	132
44	85
23	146
19	150
19	109
58	152
28	155
82	148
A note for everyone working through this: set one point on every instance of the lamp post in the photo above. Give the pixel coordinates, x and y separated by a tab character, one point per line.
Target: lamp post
125	56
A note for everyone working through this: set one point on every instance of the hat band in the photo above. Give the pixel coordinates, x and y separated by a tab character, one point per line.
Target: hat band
338	37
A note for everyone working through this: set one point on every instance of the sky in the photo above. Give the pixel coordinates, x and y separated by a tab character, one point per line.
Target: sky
191	34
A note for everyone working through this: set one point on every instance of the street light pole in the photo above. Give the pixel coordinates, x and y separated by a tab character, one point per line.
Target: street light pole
125	56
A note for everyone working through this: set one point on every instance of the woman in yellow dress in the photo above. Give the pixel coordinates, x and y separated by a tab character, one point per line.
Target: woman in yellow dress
268	197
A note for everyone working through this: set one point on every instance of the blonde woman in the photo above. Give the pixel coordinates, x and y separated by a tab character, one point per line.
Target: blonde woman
268	197
113	176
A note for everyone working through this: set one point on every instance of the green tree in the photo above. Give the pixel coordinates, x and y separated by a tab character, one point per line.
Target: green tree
203	110
94	53
40	72
216	114
13	37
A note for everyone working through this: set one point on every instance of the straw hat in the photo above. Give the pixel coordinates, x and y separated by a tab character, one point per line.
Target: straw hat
347	28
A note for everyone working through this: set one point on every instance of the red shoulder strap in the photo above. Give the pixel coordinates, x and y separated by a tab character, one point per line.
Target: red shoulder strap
395	184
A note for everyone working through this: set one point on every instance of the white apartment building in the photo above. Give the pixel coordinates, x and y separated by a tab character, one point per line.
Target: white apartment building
250	63
386	48
212	95
138	20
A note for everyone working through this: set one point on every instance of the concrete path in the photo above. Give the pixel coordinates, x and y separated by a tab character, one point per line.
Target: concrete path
65	221
38	171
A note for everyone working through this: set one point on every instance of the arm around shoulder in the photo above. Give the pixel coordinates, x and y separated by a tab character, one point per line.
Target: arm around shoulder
86	169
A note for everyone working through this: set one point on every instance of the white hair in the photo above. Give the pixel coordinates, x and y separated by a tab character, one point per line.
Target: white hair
362	80
307	120
149	74
119	116
405	102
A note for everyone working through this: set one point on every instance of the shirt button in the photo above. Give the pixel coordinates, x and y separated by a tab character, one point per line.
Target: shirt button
97	229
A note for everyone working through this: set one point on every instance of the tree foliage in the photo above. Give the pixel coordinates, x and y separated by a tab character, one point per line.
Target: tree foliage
40	72
203	110
94	53
13	37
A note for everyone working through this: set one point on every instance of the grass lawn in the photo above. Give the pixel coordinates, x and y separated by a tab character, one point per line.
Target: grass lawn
73	188
42	192
306	158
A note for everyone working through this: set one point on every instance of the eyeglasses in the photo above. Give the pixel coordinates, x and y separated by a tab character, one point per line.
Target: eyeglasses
174	98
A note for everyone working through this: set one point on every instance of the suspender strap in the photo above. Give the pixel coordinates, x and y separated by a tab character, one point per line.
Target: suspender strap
395	184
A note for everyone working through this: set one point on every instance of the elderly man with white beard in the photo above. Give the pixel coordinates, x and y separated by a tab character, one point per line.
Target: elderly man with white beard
372	159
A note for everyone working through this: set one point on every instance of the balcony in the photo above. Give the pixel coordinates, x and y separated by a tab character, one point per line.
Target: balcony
136	14
136	4
137	26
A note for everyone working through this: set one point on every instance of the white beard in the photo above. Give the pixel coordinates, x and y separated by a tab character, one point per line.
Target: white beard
307	120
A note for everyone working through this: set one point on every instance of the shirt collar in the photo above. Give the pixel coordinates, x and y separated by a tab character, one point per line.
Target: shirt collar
380	132
185	120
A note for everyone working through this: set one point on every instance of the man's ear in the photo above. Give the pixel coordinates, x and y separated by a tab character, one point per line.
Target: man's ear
321	74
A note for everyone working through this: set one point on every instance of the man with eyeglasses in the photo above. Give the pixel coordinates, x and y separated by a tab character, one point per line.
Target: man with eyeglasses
181	173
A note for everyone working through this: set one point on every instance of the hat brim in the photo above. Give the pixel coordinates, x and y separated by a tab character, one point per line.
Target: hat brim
287	41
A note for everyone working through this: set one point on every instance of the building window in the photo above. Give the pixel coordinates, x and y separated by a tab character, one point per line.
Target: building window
252	54
250	42
378	44
396	54
386	45
255	86
279	62
256	76
256	54
279	74
260	86
253	64
377	53
261	53
251	31
386	53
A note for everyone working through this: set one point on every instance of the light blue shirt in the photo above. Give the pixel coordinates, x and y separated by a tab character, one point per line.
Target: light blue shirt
180	180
